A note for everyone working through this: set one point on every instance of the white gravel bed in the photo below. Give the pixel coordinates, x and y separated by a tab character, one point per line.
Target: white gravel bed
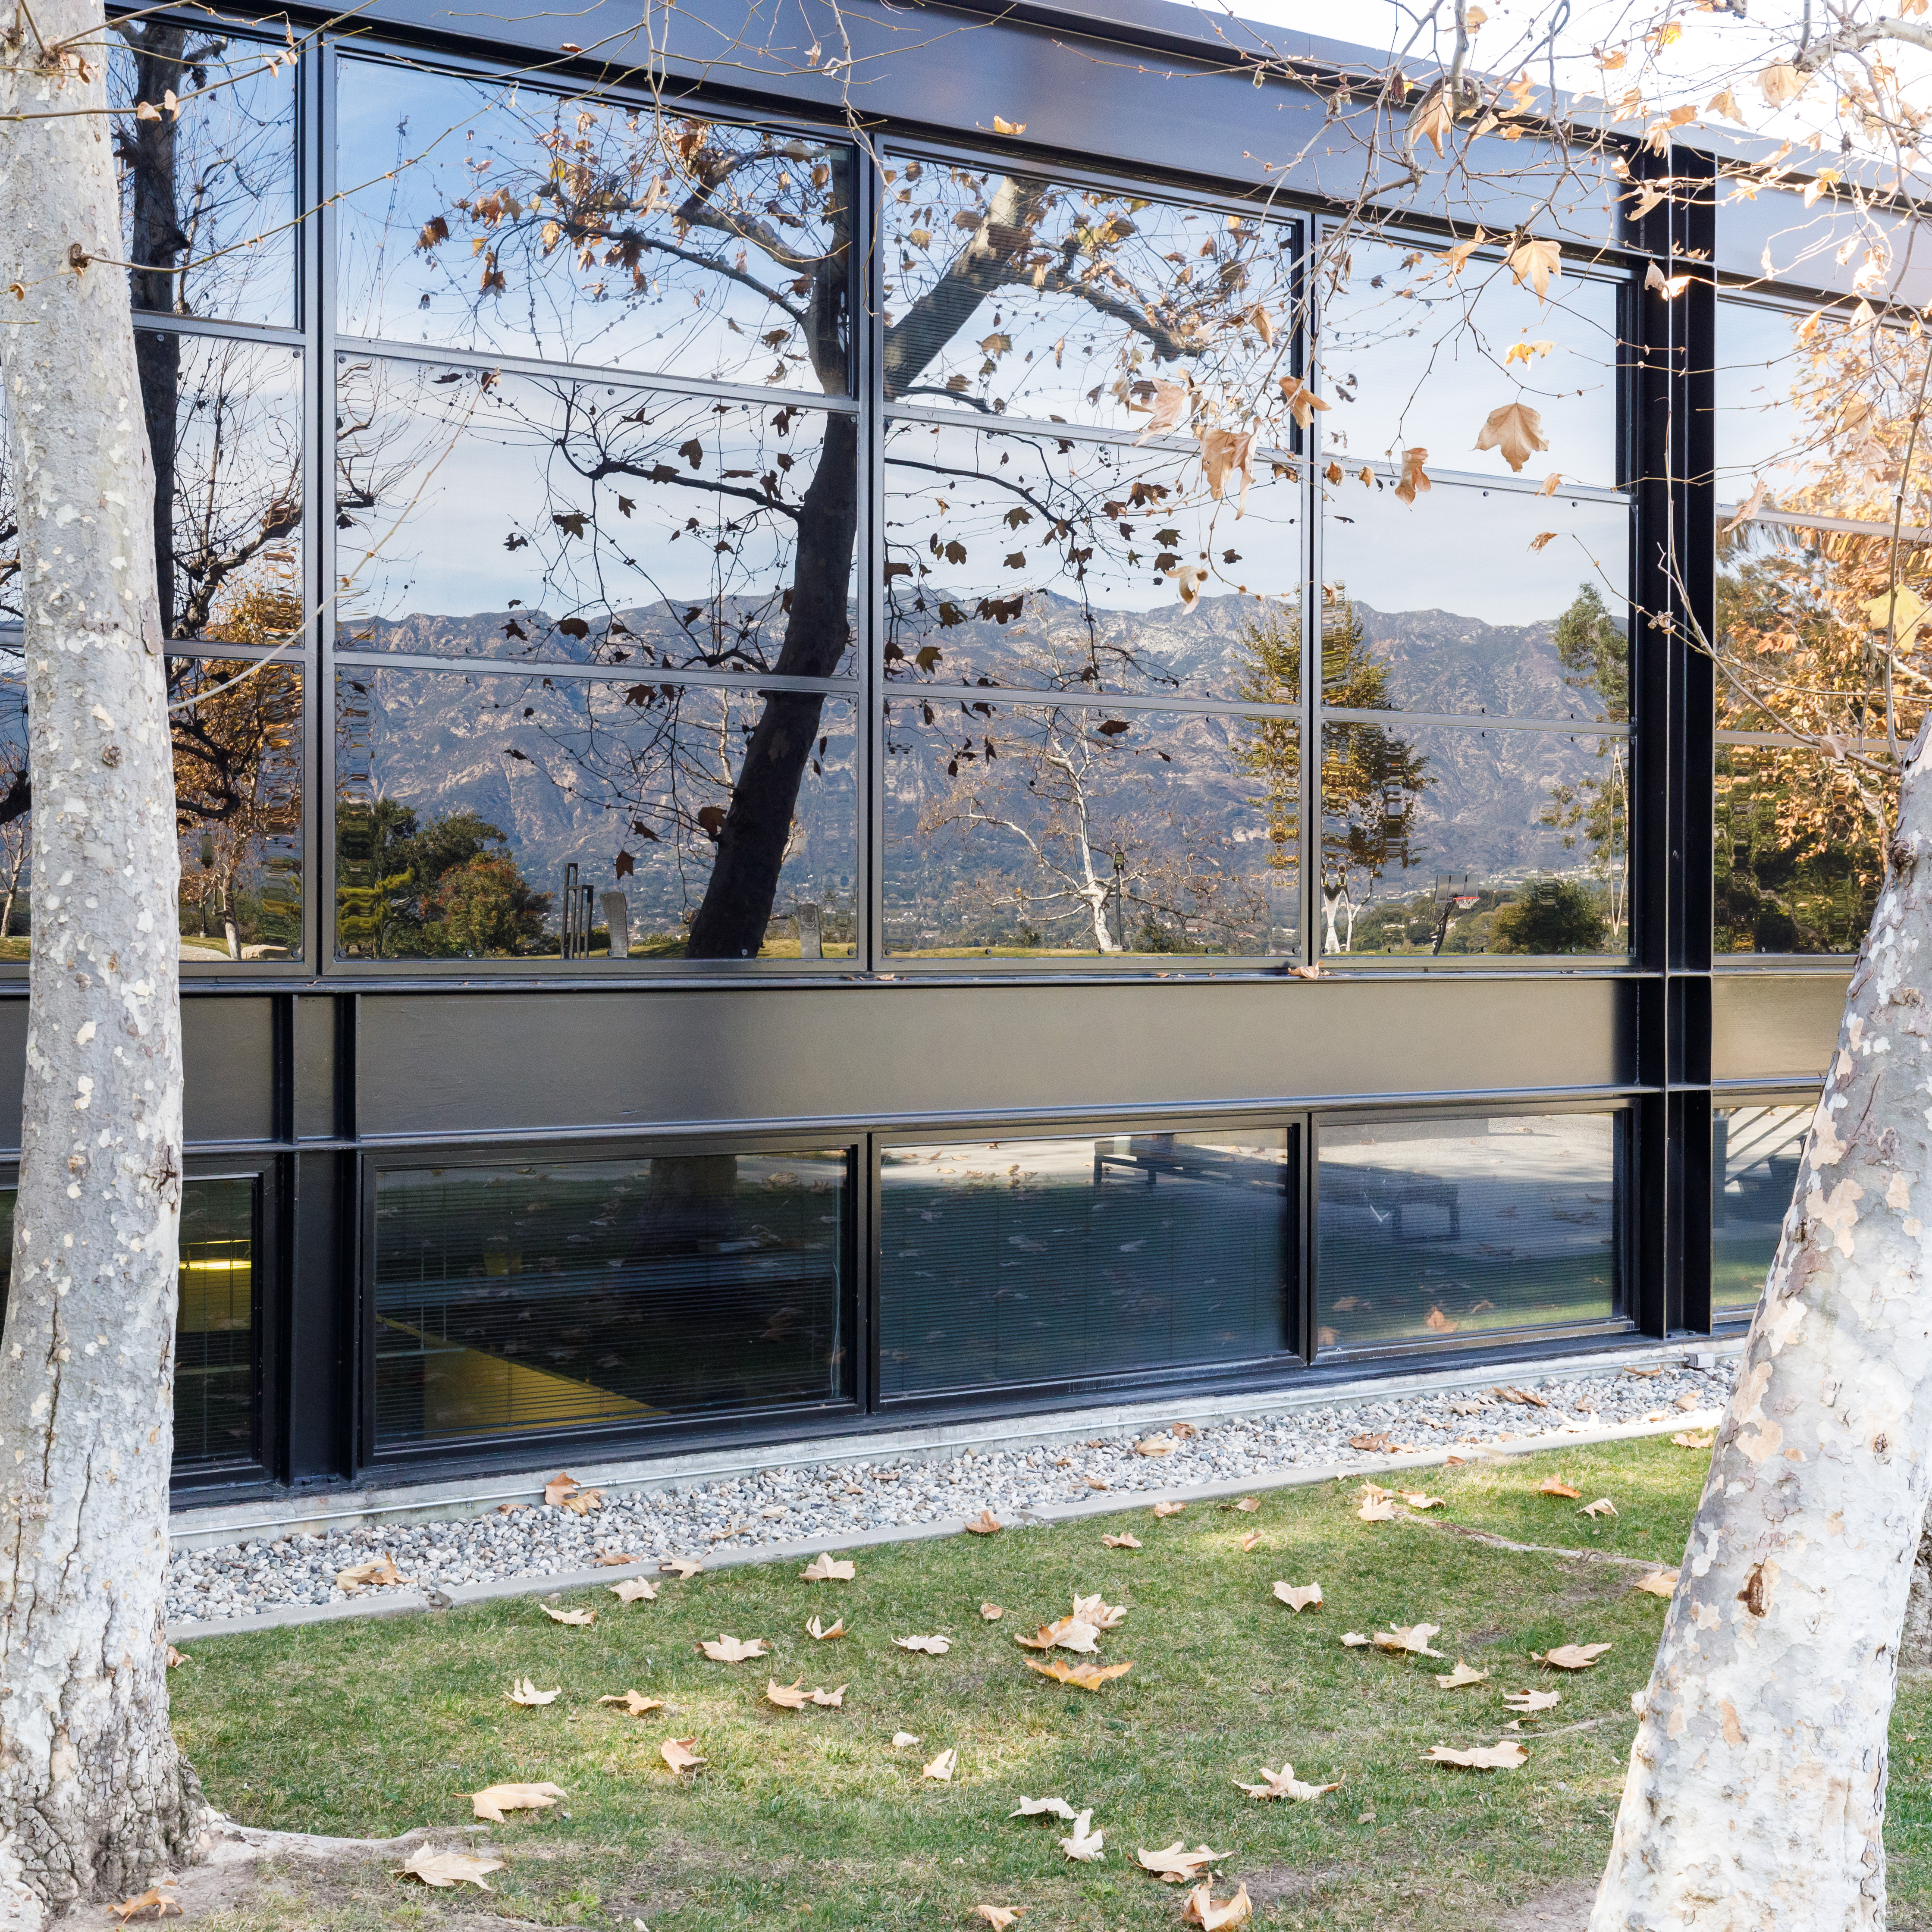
824	1502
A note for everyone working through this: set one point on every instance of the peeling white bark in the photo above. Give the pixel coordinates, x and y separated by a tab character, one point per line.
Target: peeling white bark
1755	1796
94	1801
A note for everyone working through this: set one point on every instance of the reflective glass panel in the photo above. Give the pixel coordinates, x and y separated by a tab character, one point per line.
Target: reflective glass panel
1799	857
1041	832
500	216
1428	1228
511	516
1007	294
1450	841
207	195
1414	354
1048	564
1754	1156
1475	601
474	811
522	1298
1009	1262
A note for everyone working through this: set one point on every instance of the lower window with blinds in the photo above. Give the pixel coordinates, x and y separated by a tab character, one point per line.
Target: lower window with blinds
1755	1149
532	1297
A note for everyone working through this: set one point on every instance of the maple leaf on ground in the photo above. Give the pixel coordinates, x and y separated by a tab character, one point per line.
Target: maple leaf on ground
1036	1807
1535	263
1552	1486
175	1658
833	1700
1377	1509
560	1486
1096	1611
1087	1846
1505	1756
678	1754
1355	1640
936	1646
685	1568
991	1613
449	1868
900	1739
786	1696
1175	1863
576	1619
1381	1440
1121	1542
725	1649
633	1590
1659	1583
1169	1509
1455	1679
490	1805
1298	1599
1418	1499
941	1768
1083	1676
1602	1506
634	1701
1516	430
522	1691
1248	1505
1532	1700
1248	1541
1201	1910
1570	1656
1415	478
999	1917
1155	1445
825	1569
362	1576
984	1524
153	1899
1284	1783
817	1630
1412	1639
583	1502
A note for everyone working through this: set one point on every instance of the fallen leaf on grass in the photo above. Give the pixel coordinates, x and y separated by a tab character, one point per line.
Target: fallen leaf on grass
522	1691
1505	1756
1284	1783
937	1645
490	1804
725	1649
1035	1807
817	1629
1169	1509
1086	1845
1086	1676
1248	1542
634	1701
1659	1583
1602	1506
685	1568
999	1917
1570	1656
576	1619
831	1700
1355	1640
1455	1679
677	1752
1248	1504
786	1696
900	1739
1551	1486
1412	1639
151	1900
825	1569
1298	1599
448	1868
984	1524
360	1576
1176	1863
1202	1911
1377	1509
633	1590
1416	1500
1685	1439
1122	1542
1532	1700
1155	1445
940	1769
560	1487
1102	1615
175	1658
991	1612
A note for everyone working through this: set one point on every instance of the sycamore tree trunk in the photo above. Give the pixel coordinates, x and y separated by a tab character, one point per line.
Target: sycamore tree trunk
94	1800
1755	1796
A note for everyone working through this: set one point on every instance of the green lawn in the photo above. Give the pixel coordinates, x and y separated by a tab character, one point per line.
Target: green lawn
813	1817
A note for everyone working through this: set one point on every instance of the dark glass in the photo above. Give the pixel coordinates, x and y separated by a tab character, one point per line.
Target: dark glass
224	421
517	1299
1052	832
1045	563
16	824
1798	858
1447	605
1008	294
216	1412
1445	840
468	805
1754	1156
1414	355
1472	1227
501	217
510	516
207	195
1010	1262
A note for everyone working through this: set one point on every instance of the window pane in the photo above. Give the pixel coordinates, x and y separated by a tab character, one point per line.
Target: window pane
1450	606
1413	354
1007	1262
514	517
1049	565
1447	840
1034	297
1799	860
1754	1164
224	420
502	218
1470	1228
1044	832
701	823
579	1295
208	196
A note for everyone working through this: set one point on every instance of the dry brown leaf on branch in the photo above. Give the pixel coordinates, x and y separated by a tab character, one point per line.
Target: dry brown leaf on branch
1167	405
1301	399
576	1619
1083	1676
1123	1541
522	1691
1175	1864
683	1568
560	1486
1201	1910
1333	472
1779	82
825	1569
1415	478
1082	1843
1455	259
1532	1700
725	1649
362	1576
1418	1500
1659	1583
1570	1656
818	1630
1669	287
1455	1679
1725	103
1505	1756
1535	263
1411	1640
1554	1485
1552	484
1227	453
1516	431
634	1701
937	1646
1602	1506
1169	1509
1686	1438
1526	353
153	1899
1432	119
1543	537
1248	1542
1036	1807
449	1868
1284	1783
678	1754
786	1696
633	1590
999	1917
1155	1445
490	1805
941	1768
985	1524
1298	1597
